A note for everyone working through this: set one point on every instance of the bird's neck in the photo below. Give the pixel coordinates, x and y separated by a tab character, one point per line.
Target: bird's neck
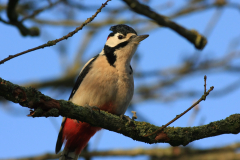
119	56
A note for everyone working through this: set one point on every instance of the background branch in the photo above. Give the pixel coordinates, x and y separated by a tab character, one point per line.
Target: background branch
54	42
192	36
179	153
13	20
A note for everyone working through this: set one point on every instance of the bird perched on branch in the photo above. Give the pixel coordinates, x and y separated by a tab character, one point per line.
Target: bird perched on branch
105	81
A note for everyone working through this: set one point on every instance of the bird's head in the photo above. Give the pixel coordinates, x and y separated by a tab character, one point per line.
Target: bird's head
122	43
123	34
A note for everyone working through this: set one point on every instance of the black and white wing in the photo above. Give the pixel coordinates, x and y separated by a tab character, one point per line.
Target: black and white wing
86	68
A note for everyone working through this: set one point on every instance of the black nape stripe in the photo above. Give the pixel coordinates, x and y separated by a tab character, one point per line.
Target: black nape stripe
82	76
109	52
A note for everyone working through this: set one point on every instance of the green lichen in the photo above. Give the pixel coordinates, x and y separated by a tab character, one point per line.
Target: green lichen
52	112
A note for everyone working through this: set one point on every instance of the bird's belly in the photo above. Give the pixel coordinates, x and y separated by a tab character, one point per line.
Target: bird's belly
109	92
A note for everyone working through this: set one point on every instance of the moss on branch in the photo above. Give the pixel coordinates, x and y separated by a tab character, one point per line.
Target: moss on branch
44	106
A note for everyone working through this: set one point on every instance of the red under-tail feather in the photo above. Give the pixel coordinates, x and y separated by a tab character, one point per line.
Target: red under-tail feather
77	134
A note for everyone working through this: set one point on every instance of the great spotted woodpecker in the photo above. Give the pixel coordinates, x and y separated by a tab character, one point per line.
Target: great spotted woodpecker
105	81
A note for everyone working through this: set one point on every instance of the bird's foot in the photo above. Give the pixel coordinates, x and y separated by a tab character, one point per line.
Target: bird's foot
122	116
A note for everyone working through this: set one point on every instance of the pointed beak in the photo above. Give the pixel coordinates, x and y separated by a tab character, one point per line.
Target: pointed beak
139	38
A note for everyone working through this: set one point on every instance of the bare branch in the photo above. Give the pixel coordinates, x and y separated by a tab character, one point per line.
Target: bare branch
192	36
203	98
13	20
53	42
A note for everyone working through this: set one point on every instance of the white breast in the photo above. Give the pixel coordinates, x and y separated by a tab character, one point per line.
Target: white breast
105	85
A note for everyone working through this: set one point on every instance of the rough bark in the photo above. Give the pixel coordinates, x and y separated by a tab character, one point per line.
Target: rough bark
44	106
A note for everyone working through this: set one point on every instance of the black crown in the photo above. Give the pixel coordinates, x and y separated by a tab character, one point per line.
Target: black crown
122	28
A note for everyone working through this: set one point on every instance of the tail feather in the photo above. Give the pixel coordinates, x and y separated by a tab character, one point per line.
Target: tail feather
60	136
77	135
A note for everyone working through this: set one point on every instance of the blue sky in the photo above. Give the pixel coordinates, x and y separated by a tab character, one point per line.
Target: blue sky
22	136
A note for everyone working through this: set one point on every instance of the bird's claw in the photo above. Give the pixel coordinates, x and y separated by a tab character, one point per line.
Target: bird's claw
126	117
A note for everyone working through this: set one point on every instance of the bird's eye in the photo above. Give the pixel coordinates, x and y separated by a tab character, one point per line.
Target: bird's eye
120	37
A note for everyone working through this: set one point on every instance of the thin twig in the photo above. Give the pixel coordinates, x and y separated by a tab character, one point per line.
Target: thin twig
205	84
53	42
178	116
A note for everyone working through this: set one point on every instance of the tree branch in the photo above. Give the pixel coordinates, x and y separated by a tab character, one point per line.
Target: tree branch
44	106
192	36
54	42
180	153
13	20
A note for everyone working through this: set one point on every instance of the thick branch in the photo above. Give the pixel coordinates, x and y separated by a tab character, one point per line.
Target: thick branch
192	36
44	106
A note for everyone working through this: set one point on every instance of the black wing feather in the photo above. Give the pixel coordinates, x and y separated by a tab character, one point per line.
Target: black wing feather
76	86
59	139
81	76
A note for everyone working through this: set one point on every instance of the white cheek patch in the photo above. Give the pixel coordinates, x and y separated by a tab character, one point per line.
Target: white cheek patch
114	41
